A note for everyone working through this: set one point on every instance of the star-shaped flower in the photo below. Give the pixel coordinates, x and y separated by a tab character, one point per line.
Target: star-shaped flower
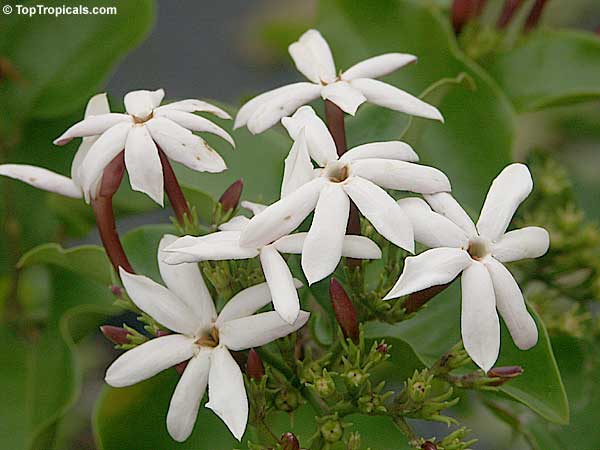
202	337
360	174
225	244
141	132
478	253
50	181
348	90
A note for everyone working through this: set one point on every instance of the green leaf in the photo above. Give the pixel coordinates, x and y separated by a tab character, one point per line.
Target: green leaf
549	68
201	201
141	247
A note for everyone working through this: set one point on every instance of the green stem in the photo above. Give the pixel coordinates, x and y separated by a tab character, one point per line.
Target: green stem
407	430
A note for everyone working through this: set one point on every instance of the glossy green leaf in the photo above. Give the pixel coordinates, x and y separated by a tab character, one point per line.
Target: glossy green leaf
141	247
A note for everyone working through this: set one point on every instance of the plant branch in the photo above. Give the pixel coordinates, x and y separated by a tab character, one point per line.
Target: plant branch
173	189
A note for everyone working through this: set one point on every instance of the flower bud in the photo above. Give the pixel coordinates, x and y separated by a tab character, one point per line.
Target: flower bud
343	309
116	335
231	197
324	385
463	11
161	333
254	366
332	430
289	442
504	373
117	291
382	348
287	400
180	368
428	445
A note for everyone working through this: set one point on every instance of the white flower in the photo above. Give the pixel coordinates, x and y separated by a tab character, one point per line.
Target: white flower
348	90
478	253
141	132
187	309
360	174
50	181
225	244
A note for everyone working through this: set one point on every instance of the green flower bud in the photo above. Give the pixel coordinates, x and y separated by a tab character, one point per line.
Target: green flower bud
287	400
332	430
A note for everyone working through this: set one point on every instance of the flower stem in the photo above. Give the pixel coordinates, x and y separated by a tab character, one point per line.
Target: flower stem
407	430
105	217
178	202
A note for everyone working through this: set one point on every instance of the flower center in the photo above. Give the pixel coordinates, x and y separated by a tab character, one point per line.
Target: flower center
140	120
209	340
337	171
479	248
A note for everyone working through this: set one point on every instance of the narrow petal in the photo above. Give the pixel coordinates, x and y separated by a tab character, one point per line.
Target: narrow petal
160	303
237	223
97	105
381	150
92	126
42	179
250	108
344	95
382	211
143	164
292	243
186	282
430	228
183	146
322	249
391	97
142	103
479	323
193	122
511	306
226	392
298	170
508	190
402	175
443	203
528	242
378	66
313	58
218	246
281	284
258	330
148	359
360	247
318	138
430	268
185	403
283	216
193	105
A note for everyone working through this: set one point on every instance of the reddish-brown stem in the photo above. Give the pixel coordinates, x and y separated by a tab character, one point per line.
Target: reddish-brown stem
535	14
463	11
178	202
508	12
105	217
416	300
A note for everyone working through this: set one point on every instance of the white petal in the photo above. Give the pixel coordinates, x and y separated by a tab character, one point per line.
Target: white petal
401	175
92	126
322	249
258	330
280	105
185	403
321	145
194	123
141	103
292	243
431	268
226	392
217	246
344	95
186	282
479	323
360	247
143	164
281	284
381	150
237	223
443	203
528	242
160	303
511	306
379	66
430	228
102	152
192	105
313	58
283	216
97	105
508	190
148	359
298	170
183	146
382	211
253	206
42	179
391	97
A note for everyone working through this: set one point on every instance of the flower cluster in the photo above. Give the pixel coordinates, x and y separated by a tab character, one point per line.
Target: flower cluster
320	177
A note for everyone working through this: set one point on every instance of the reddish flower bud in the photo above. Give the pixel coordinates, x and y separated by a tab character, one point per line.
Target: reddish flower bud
535	14
179	368
116	335
254	366
344	310
463	11
290	442
231	197
382	348
504	373
161	333
428	445
508	12
117	291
